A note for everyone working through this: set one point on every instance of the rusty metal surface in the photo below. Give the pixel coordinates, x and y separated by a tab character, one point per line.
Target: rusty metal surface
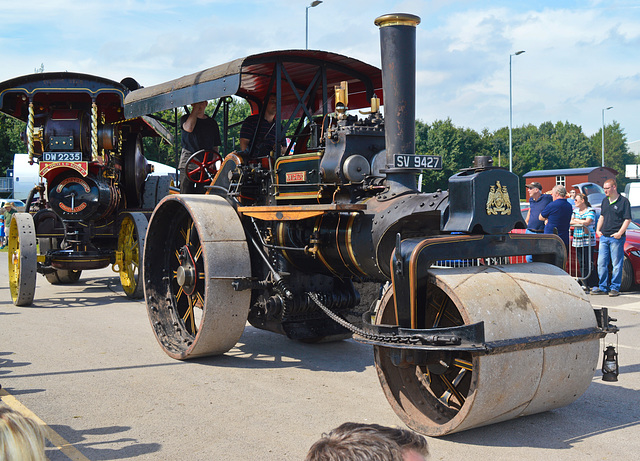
221	256
514	301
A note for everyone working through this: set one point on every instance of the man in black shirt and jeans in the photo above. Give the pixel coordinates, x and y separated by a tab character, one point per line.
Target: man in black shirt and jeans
612	225
199	131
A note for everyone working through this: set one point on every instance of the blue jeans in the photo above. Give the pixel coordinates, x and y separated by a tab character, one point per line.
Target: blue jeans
529	258
611	249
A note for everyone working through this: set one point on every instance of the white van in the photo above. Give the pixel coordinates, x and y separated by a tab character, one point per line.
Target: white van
632	192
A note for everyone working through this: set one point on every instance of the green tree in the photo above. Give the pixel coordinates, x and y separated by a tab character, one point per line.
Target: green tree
156	148
10	141
552	146
239	110
574	148
457	147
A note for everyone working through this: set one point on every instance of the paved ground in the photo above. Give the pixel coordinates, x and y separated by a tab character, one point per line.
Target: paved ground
83	360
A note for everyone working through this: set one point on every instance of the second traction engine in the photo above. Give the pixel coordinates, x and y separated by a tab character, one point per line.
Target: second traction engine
90	208
91	175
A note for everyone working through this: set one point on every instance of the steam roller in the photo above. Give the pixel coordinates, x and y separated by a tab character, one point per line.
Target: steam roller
279	239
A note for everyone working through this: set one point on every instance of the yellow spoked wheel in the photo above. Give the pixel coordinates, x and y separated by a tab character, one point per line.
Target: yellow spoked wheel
131	238
23	262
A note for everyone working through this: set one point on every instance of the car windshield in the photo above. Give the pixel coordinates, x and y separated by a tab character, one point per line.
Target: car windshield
16	203
592	189
596	198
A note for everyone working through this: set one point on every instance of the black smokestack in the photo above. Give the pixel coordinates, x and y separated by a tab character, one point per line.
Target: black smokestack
398	53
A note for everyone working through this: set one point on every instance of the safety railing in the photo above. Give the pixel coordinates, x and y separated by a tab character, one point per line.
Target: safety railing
6	184
574	256
573	263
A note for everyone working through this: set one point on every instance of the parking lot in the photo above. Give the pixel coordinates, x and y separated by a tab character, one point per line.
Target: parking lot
83	360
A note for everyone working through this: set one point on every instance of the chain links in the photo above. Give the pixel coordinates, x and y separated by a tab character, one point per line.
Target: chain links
359	331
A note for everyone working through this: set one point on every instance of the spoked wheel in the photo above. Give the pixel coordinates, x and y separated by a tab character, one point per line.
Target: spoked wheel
60	276
203	166
441	393
22	258
196	248
131	237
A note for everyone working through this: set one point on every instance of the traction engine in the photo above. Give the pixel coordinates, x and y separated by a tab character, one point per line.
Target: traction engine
280	242
92	205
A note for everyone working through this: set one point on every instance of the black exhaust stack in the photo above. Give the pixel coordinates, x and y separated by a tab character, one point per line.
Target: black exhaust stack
398	53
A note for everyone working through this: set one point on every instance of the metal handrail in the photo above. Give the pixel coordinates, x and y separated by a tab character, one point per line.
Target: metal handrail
574	270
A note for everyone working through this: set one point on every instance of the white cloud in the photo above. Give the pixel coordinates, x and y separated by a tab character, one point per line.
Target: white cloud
579	57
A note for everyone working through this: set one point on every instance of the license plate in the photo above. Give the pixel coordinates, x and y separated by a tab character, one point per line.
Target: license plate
62	156
417	162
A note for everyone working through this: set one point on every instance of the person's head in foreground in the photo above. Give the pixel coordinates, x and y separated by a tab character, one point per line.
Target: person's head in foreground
369	442
21	438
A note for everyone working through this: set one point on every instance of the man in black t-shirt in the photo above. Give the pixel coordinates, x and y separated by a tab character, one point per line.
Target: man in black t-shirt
612	225
199	131
265	139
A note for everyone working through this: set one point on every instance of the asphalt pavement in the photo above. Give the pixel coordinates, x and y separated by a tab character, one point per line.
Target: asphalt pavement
83	361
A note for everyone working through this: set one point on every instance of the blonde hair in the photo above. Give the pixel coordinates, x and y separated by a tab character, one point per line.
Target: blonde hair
21	438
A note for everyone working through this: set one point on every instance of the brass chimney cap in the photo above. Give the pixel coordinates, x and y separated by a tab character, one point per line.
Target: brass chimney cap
397	19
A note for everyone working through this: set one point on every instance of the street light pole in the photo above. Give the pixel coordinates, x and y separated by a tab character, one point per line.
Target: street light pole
511	110
610	107
313	4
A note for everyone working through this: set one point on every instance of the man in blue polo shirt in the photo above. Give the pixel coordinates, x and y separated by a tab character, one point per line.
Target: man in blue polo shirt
537	202
557	215
612	226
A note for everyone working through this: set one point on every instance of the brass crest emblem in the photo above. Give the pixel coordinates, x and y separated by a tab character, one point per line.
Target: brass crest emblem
498	200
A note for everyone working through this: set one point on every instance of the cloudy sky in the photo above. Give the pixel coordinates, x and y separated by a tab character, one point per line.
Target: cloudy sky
580	56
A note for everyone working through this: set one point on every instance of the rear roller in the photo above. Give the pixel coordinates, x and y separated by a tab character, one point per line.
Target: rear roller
23	262
455	391
195	250
131	237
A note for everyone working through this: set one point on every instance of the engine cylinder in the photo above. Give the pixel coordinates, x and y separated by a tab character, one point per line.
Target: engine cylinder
360	245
